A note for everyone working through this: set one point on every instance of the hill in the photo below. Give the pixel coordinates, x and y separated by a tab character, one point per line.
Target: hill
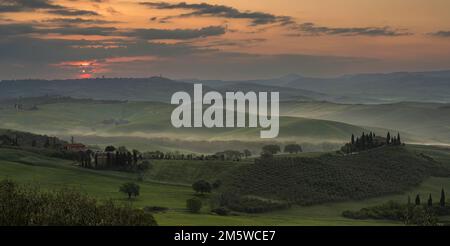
389	87
428	121
136	89
430	86
278	182
150	120
286	93
53	173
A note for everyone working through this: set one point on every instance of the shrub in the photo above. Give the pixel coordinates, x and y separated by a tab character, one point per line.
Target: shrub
409	214
155	209
27	206
202	186
222	211
194	205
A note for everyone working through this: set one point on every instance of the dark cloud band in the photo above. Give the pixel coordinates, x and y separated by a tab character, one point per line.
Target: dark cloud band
441	34
311	29
8	6
15	29
205	9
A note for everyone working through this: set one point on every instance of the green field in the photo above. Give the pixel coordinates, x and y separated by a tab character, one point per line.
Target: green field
152	120
51	173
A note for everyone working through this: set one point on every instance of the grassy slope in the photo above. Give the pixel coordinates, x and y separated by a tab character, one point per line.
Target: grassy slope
148	119
54	173
430	121
187	172
328	178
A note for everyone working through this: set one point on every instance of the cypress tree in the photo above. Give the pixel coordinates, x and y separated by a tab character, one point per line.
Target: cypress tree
353	139
388	138
430	201
442	201
418	200
399	142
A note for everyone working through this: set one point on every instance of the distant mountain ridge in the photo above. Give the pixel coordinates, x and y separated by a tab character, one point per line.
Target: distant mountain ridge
358	88
433	86
134	89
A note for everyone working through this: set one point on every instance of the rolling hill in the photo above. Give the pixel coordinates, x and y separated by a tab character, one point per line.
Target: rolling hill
145	89
389	87
428	121
80	117
433	86
53	173
274	183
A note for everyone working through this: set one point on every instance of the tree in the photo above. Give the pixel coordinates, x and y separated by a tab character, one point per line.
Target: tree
266	155
388	138
47	142
418	200
272	148
110	149
131	189
292	148
442	201
399	141
430	201
194	205
202	186
353	139
217	184
247	153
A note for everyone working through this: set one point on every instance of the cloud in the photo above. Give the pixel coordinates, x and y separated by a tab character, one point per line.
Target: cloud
73	12
17	49
261	18
19	59
47	5
441	34
241	43
205	9
179	34
15	29
75	21
26	5
311	29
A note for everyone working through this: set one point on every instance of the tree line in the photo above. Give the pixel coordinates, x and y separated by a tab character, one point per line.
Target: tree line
370	141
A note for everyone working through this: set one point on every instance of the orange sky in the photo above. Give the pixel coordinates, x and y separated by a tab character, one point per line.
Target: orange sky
342	28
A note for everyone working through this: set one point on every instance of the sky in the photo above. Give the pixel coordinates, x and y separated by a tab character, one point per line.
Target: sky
221	39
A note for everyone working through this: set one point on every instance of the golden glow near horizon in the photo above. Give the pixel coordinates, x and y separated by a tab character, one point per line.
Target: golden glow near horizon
400	34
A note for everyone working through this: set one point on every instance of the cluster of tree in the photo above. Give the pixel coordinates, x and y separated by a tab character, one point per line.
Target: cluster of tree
417	201
113	158
410	214
293	149
395	140
22	107
28	206
227	155
203	186
369	141
273	149
27	140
